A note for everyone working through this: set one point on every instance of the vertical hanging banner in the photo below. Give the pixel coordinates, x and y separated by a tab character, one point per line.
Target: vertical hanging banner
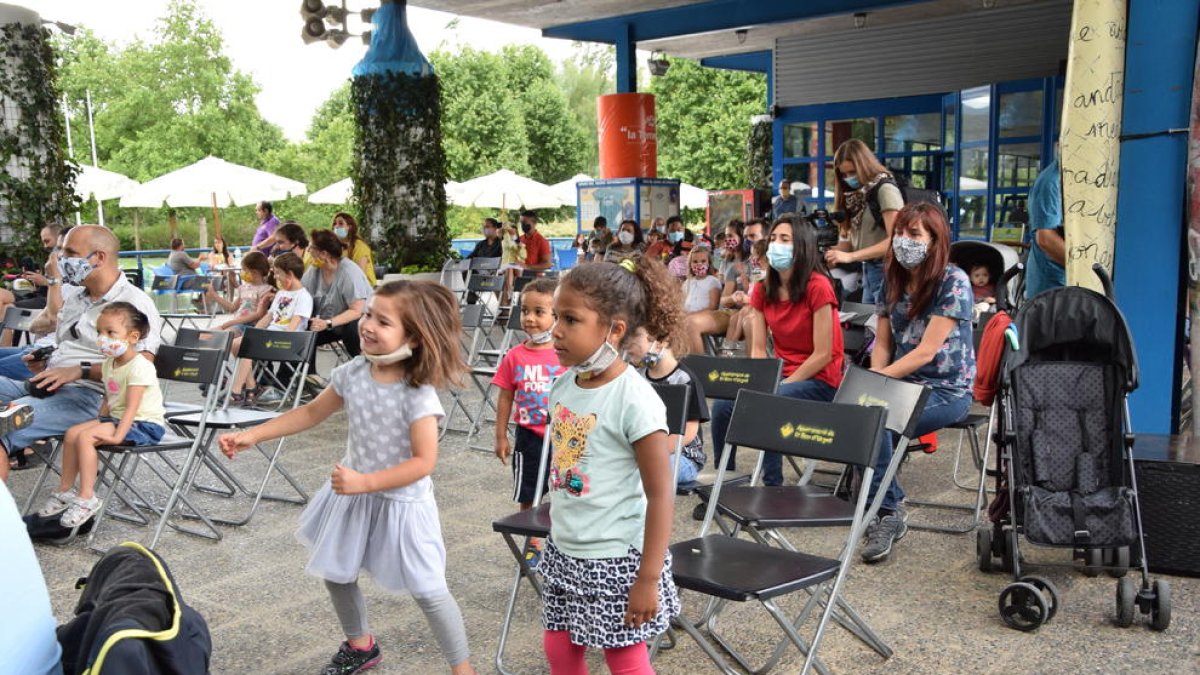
1193	238
1091	136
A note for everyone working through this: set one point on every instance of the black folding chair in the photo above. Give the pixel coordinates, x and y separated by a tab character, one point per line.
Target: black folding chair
290	351
482	376
534	523
192	365
729	569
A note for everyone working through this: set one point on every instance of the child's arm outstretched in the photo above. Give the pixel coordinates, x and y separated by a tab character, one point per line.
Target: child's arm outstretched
292	422
655	468
423	435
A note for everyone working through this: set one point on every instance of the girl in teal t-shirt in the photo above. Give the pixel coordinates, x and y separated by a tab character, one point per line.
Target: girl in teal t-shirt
606	569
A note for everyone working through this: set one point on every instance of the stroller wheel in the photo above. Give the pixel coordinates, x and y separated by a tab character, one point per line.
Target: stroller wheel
1117	561
983	548
1126	594
1049	593
1160	611
1023	607
1007	554
1093	562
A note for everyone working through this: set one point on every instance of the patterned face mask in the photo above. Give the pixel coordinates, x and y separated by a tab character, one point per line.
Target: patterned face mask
909	252
75	270
111	347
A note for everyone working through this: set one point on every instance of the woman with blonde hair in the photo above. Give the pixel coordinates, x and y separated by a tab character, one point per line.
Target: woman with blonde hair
867	194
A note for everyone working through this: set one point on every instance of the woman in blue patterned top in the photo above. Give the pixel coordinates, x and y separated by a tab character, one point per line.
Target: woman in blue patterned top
923	336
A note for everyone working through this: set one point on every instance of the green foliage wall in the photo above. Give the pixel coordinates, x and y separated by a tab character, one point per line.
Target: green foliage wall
35	184
759	157
399	170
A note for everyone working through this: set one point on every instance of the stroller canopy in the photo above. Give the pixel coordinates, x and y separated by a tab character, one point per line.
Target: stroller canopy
1075	324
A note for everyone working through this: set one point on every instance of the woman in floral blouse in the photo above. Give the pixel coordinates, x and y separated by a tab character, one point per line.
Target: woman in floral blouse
923	336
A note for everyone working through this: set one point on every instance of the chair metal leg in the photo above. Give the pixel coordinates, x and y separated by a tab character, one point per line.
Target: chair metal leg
523	571
980	489
47	467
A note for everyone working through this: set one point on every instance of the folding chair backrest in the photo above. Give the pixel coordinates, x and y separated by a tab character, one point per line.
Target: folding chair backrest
514	321
473	316
195	365
485	283
724	377
194	283
675	398
163	284
19	318
521	282
208	339
904	400
832	432
452	265
485	264
279	346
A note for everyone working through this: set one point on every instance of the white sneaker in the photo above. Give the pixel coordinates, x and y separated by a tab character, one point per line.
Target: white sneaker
80	511
57	503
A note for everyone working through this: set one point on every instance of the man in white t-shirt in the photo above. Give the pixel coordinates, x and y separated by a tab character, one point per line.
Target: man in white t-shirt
91	279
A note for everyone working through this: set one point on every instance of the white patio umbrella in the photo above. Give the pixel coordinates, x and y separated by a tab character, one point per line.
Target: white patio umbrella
504	190
342	192
692	197
213	182
95	183
566	190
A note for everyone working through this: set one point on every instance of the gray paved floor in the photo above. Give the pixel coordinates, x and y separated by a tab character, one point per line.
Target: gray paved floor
930	602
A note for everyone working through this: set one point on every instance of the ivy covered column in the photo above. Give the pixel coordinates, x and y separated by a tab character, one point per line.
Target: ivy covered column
399	167
36	186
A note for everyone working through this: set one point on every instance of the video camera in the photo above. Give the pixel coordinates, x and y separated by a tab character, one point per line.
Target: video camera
825	224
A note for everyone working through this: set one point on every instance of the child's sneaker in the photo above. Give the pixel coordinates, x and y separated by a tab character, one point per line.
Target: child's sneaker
350	660
15	417
80	511
57	503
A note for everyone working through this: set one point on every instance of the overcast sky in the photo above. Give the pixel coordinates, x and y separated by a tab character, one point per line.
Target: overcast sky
262	37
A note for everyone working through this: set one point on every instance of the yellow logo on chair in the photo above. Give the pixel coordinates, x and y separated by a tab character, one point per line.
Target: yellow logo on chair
787	430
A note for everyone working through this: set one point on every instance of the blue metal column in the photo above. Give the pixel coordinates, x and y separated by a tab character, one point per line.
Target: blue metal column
1160	56
626	60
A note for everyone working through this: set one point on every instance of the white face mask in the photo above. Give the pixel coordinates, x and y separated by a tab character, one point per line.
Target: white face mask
111	347
600	359
625	237
541	338
397	356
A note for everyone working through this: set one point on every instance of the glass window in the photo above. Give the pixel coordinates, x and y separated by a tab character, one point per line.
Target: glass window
800	140
951	113
974	167
1017	164
948	172
840	131
972	216
912	133
1020	114
976	113
918	169
805	172
1012	209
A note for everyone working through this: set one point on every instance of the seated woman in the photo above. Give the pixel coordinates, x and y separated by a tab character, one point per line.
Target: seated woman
657	246
923	336
357	250
290	311
339	290
220	254
797	305
733	295
253	297
629	243
290	238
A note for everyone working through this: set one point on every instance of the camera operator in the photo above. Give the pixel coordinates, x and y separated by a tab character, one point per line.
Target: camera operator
864	187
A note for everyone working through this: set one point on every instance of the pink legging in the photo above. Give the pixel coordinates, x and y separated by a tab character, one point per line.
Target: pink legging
566	658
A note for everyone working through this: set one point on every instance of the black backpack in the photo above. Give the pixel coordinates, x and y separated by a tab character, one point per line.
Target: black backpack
910	194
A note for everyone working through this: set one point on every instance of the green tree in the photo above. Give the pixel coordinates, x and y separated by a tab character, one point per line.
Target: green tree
585	77
703	117
483	128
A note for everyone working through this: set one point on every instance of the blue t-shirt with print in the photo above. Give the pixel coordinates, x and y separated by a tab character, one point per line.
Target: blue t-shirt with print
953	366
1045	213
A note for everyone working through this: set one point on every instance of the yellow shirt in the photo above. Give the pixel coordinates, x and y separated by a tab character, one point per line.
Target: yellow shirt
139	372
361	250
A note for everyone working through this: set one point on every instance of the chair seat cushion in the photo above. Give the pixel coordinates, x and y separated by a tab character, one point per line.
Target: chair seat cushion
529	523
784	506
229	418
740	570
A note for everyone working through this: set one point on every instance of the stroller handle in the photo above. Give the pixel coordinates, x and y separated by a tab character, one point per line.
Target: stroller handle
1002	299
1105	281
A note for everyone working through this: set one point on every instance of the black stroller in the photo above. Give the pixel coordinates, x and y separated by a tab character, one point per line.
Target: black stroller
1065	472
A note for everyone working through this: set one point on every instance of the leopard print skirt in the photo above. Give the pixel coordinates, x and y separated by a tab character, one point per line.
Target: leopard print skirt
588	598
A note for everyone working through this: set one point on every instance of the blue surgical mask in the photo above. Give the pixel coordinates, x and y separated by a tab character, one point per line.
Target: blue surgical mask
852	181
341	232
674	237
779	256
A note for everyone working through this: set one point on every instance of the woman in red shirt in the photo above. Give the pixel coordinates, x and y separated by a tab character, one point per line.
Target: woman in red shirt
798	305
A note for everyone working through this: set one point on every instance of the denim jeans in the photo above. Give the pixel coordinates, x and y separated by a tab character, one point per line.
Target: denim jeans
52	416
942	409
808	390
686	470
872	281
11	365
